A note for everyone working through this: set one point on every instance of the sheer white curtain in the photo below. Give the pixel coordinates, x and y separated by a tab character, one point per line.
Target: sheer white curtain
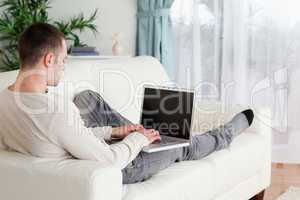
261	48
241	51
197	52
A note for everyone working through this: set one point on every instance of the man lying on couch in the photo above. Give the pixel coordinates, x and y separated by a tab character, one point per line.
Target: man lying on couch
33	123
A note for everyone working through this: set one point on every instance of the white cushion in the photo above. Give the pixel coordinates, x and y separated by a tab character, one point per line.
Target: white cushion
184	180
7	78
119	81
207	178
211	114
30	178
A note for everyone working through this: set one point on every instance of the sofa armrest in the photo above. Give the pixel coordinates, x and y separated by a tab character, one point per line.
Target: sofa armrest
262	125
262	121
24	177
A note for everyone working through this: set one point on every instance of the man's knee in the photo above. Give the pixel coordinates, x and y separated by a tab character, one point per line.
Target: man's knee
87	100
88	96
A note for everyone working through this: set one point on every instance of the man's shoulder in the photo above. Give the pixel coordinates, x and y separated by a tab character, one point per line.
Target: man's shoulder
59	101
3	98
35	103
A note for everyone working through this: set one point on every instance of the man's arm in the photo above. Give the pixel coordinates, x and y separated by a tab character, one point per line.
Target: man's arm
108	133
105	132
81	142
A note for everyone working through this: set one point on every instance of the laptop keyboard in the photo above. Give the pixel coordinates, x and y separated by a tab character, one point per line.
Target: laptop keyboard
166	140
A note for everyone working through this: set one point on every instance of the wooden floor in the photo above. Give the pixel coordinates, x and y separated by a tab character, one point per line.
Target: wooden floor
283	176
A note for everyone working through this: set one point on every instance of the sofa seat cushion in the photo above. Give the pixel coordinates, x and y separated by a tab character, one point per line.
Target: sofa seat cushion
204	179
184	180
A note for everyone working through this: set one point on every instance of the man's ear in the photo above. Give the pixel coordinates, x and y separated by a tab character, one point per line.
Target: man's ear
49	59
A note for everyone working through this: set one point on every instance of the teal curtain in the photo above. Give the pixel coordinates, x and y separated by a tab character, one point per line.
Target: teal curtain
154	33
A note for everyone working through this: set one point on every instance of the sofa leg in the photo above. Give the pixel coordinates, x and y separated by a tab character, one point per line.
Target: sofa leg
259	196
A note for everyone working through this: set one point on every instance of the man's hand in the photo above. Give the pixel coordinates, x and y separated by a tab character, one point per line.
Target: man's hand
122	131
151	134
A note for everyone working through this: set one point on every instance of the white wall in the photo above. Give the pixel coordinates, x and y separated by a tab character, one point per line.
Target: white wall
114	16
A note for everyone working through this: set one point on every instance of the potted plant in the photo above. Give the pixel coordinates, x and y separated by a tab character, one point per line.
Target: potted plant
17	15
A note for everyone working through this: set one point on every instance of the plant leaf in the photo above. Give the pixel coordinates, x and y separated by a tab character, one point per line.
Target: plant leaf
17	15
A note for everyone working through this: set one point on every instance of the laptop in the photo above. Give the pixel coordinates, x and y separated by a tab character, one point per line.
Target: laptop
169	111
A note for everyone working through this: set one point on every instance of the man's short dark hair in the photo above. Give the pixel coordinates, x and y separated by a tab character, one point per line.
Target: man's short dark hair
36	41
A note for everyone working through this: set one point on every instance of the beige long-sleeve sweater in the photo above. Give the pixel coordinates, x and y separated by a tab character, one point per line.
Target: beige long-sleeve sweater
49	125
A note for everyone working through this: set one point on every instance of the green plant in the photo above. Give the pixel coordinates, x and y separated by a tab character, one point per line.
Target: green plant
17	15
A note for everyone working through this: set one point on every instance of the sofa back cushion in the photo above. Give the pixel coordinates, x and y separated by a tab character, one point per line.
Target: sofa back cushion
211	114
119	81
7	78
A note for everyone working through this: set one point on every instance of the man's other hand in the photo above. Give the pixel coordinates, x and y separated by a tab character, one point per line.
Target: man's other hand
151	134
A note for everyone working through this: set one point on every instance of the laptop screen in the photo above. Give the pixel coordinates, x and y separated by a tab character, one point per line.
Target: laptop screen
168	111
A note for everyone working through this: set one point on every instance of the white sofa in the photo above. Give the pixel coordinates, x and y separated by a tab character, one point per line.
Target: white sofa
236	173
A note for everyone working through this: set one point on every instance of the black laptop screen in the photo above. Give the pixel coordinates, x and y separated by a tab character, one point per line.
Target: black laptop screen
168	111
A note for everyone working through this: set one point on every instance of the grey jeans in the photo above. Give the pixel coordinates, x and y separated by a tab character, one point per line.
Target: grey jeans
95	112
